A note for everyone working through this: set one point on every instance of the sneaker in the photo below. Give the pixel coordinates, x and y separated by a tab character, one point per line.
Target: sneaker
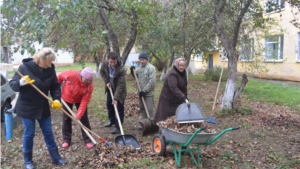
65	145
89	145
115	131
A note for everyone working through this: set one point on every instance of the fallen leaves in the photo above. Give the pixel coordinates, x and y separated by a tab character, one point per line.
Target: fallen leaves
187	127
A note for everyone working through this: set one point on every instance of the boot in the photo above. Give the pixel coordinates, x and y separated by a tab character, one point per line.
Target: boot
28	160
55	157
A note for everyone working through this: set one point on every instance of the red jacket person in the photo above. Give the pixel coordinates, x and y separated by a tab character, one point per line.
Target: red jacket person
77	88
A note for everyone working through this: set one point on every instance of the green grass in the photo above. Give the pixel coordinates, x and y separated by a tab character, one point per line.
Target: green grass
278	94
76	66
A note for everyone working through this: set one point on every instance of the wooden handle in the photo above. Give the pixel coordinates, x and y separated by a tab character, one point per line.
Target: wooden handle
73	114
64	111
143	100
214	104
116	111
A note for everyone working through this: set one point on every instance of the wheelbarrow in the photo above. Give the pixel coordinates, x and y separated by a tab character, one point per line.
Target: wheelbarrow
181	142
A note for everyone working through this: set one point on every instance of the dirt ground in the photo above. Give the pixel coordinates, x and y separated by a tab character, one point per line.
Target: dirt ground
268	139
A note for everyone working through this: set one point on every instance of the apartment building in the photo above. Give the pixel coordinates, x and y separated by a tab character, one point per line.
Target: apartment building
279	58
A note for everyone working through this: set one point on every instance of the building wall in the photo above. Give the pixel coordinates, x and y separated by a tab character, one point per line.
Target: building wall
202	64
288	68
62	57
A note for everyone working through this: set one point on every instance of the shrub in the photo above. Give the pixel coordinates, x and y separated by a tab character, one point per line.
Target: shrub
215	73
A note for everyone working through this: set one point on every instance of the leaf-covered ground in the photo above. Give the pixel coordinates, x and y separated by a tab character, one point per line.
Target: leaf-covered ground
268	138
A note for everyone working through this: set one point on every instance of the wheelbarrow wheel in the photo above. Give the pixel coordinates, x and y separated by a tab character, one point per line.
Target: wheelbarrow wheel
159	144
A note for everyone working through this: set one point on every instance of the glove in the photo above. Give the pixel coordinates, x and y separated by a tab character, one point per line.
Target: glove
26	80
142	94
56	104
184	98
131	70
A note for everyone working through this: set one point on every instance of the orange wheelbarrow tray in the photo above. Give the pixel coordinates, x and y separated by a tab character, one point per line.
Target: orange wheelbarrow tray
180	142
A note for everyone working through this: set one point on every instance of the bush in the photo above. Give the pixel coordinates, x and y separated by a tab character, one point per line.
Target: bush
160	65
214	74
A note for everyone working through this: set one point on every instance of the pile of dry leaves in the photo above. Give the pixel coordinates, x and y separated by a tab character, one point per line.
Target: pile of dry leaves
116	156
185	128
132	107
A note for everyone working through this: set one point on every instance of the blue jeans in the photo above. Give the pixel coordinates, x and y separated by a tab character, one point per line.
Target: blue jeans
29	130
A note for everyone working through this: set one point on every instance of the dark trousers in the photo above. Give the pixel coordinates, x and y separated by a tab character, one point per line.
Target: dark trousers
111	111
67	124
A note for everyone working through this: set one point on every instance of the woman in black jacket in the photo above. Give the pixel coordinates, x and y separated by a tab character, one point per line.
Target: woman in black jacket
32	106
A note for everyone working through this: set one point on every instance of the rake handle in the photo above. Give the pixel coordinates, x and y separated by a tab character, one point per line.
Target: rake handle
73	114
143	100
214	104
103	140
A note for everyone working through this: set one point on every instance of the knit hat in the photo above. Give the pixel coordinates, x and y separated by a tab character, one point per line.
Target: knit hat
87	73
143	55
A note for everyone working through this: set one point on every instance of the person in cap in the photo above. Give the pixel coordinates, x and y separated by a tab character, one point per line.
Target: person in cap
77	88
146	75
173	92
31	106
113	74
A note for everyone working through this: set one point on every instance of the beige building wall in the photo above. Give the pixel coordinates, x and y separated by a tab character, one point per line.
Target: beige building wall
286	69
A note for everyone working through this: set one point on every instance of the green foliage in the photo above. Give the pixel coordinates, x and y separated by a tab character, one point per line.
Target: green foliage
294	163
243	110
215	73
227	155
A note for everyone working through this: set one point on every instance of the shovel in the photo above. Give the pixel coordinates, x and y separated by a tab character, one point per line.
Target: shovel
74	119
124	140
148	125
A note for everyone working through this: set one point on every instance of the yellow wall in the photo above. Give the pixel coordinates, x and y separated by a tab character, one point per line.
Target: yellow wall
287	69
202	65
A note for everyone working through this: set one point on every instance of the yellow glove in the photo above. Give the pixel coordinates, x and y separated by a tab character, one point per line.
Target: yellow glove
56	104
26	80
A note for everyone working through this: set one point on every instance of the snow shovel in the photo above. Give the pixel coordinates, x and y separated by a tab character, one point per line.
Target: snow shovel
74	119
211	120
124	140
148	125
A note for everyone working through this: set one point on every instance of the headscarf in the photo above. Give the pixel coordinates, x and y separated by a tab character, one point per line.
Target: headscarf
176	63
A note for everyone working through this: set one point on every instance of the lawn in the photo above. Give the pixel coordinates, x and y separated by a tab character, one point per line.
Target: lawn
268	137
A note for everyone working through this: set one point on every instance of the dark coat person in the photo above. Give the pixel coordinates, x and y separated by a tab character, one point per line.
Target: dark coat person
31	106
174	91
113	74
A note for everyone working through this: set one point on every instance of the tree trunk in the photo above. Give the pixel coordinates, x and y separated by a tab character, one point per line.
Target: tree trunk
163	73
172	58
112	36
240	89
132	36
227	101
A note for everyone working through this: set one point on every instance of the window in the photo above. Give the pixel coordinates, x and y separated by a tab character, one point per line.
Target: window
298	56
274	48
198	57
247	50
274	5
